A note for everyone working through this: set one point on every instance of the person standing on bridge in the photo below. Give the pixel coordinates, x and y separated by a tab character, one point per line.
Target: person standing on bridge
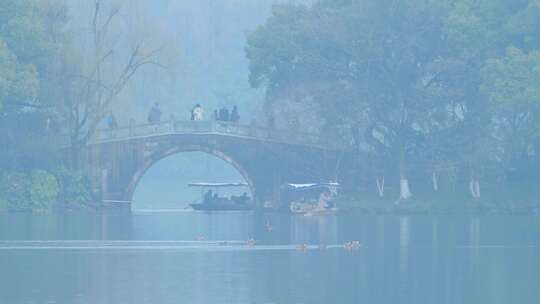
224	114
235	117
198	113
155	114
111	121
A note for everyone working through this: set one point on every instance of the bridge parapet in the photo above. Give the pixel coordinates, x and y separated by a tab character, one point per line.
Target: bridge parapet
215	128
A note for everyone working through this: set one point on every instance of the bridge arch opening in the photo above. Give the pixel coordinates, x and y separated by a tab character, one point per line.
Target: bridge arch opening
162	181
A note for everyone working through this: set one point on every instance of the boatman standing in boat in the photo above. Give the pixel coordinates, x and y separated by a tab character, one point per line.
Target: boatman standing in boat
324	200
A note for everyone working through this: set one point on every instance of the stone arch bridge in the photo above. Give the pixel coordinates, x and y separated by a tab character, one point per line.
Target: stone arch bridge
117	159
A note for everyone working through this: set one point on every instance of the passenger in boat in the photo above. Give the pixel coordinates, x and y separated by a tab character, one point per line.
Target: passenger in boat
243	199
330	205
208	197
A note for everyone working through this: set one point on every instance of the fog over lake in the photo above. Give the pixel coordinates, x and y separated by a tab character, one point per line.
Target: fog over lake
269	151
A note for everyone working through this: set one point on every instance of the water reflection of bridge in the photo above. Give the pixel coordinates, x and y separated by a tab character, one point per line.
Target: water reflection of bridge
116	159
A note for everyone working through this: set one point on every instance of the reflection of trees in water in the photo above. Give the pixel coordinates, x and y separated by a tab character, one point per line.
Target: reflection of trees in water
314	229
403	257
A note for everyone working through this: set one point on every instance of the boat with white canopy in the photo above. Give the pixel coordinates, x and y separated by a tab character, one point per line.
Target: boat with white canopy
311	198
212	200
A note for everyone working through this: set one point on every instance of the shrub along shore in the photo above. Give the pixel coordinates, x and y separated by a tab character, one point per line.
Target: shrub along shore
42	191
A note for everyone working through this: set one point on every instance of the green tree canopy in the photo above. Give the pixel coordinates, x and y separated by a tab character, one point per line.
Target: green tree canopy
426	79
25	48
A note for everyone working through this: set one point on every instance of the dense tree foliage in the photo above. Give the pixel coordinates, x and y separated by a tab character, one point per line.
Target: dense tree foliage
26	48
21	39
428	86
28	128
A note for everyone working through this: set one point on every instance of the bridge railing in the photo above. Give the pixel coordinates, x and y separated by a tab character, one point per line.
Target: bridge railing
212	127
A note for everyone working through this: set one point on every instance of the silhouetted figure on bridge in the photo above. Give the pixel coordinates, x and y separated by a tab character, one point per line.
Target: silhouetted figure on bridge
224	114
111	121
216	115
155	114
235	117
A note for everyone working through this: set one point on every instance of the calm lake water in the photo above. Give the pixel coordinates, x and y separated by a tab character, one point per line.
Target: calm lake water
153	257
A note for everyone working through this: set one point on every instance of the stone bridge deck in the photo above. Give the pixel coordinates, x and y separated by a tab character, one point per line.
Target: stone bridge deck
289	137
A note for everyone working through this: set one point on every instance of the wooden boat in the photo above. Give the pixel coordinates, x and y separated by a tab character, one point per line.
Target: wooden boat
212	202
222	205
311	209
212	207
309	199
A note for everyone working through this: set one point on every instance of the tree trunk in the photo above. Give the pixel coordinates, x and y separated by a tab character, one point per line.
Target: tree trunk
474	184
75	151
435	181
477	188
380	186
474	188
452	177
104	184
404	189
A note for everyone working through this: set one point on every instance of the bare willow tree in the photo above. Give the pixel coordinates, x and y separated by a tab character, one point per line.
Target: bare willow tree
93	77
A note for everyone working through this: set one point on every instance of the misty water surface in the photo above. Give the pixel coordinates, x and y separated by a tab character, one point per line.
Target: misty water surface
156	258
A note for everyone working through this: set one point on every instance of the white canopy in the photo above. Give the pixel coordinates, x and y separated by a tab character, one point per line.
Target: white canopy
313	185
217	185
